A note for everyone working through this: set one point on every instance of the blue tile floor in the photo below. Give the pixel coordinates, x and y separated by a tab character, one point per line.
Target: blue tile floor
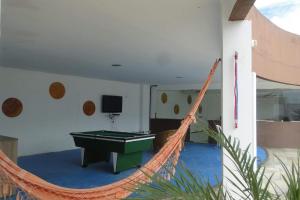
63	168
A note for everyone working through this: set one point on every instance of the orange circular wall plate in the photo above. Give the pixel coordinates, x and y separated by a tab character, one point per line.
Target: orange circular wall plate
12	107
57	90
89	108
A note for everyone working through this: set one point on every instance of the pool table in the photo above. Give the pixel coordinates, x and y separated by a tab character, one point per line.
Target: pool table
125	148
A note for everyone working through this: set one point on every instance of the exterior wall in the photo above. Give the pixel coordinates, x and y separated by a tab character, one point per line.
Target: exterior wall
274	134
45	123
276	56
278	115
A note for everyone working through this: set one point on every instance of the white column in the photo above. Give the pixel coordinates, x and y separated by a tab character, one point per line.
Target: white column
144	107
154	100
237	36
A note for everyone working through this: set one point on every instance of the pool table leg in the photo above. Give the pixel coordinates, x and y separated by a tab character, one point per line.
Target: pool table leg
115	160
122	162
82	157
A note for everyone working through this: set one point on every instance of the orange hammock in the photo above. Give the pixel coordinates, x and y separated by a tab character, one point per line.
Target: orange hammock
13	179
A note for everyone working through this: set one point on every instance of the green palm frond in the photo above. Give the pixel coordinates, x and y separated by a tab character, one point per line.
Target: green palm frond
291	178
247	181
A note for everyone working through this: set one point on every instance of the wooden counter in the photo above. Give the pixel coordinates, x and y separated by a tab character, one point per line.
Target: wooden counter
10	147
276	134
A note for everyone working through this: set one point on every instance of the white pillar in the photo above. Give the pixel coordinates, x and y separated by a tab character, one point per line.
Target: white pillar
237	36
154	100
144	107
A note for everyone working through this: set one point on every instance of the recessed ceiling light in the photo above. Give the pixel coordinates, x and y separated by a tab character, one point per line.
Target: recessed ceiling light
116	65
179	77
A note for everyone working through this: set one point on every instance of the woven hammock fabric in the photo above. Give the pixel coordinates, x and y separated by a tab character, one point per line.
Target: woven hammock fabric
25	185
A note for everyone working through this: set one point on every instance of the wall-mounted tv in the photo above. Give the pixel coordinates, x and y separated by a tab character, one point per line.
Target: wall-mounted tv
112	104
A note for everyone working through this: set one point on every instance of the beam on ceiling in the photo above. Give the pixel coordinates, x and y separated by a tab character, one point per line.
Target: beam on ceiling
241	9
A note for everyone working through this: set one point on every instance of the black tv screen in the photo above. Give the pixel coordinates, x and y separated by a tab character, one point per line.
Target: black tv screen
112	104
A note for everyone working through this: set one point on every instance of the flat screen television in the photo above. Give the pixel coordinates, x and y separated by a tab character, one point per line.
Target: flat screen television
112	104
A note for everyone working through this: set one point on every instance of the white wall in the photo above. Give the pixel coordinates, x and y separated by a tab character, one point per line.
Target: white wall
166	111
211	105
211	108
45	123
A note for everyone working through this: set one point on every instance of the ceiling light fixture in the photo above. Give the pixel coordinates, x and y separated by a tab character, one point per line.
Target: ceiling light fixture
116	65
179	77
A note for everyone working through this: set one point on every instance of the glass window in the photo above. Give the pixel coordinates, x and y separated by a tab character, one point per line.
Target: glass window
277	102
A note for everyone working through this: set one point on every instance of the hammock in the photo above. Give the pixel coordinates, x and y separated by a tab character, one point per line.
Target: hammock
13	179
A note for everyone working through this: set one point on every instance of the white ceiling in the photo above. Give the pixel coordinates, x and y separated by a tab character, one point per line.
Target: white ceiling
154	40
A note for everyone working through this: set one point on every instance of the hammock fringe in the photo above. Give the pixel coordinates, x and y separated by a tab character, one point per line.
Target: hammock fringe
14	180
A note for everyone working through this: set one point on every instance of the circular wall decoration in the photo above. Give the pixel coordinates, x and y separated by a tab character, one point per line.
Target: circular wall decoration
164	98
57	90
189	99
89	108
12	107
176	109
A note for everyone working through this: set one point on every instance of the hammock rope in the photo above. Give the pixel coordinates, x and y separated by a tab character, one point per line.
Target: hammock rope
14	179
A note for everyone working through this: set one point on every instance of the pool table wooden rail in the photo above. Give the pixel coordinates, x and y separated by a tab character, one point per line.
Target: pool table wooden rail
133	138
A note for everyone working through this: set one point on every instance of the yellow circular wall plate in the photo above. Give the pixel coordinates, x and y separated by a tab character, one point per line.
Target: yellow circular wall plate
164	98
176	109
